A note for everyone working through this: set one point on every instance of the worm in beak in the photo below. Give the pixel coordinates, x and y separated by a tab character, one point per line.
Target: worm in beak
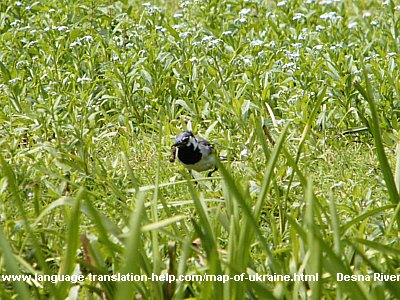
173	154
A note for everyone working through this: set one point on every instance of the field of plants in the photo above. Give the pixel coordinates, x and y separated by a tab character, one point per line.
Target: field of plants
300	99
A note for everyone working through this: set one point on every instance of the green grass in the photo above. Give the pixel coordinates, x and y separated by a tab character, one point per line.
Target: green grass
300	97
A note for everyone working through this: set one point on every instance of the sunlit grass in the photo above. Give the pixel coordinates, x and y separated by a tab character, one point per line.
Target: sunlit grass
298	97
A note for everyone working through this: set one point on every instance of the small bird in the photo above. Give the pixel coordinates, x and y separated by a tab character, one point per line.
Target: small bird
194	153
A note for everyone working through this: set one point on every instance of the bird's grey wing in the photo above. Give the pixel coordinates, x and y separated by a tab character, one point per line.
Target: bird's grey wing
206	144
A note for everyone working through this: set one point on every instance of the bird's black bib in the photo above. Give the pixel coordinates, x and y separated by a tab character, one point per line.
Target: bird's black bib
189	155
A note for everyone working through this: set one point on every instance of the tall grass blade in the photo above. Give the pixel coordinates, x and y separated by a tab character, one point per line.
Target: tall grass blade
380	150
131	260
12	268
72	242
208	240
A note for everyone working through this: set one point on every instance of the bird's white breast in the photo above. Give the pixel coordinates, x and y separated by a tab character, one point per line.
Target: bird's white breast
207	161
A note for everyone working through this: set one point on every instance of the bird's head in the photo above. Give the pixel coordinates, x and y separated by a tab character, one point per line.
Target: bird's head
185	139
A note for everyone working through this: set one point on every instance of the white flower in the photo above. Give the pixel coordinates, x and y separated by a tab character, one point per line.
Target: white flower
207	38
339	46
290	65
339	184
83	79
295	54
256	43
62	28
247	61
140	27
328	16
215	42
146	4
185	4
73	44
178	16
367	14
302	37
328	2
319	28
281	3
298	16
152	9
227	32
160	28
87	38
184	35
281	122
318	47
14	80
244	11
352	25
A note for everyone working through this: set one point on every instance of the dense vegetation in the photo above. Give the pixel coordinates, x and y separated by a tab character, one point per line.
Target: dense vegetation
299	97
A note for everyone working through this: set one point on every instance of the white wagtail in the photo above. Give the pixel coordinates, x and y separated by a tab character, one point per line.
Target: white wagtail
194	153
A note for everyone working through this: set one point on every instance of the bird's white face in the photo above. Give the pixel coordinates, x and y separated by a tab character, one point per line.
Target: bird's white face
185	140
192	141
